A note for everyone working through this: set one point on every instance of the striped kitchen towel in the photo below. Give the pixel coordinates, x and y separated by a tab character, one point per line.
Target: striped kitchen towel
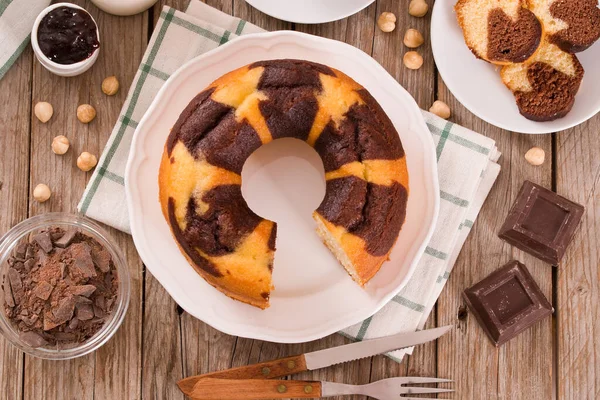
466	164
16	20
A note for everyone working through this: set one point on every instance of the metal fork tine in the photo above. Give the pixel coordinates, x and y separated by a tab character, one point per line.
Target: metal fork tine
419	398
416	390
409	380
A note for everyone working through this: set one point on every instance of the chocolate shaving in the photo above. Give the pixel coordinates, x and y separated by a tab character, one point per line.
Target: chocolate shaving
44	241
83	290
20	251
16	285
29	253
83	265
66	239
33	339
102	259
8	296
85	312
43	290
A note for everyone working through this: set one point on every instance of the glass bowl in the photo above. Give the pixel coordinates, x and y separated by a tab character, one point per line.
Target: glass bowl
21	233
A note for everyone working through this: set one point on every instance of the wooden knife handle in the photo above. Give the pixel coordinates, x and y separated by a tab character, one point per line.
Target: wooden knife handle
254	389
266	370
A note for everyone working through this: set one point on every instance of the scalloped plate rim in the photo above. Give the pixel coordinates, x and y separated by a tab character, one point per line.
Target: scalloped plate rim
267	41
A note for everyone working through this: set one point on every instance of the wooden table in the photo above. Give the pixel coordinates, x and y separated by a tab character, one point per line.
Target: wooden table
159	344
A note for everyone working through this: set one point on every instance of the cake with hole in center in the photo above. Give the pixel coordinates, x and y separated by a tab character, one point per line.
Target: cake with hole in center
364	207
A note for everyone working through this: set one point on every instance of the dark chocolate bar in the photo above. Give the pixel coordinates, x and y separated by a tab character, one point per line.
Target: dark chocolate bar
541	222
507	302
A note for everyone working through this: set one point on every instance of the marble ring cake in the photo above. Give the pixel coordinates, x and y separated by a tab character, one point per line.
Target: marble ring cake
364	207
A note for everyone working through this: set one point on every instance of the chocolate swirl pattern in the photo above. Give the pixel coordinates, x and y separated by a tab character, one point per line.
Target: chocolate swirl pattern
200	175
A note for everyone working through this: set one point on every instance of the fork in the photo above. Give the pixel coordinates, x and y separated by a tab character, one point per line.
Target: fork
256	389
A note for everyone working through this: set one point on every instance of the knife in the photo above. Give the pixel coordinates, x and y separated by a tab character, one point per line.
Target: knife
319	359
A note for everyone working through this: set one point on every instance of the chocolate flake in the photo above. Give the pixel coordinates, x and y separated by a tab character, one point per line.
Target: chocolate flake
8	296
43	290
33	339
66	239
44	241
20	251
65	309
16	285
29	264
85	312
101	259
83	290
30	252
83	264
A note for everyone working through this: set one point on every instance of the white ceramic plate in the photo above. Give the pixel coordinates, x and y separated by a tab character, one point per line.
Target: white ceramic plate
283	180
310	11
477	84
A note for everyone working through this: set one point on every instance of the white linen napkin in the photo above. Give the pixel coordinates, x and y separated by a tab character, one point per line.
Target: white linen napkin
466	165
16	20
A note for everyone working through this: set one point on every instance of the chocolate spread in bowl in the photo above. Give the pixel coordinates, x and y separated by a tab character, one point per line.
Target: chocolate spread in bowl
67	35
60	288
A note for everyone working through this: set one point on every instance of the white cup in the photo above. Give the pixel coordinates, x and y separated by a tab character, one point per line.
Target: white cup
56	68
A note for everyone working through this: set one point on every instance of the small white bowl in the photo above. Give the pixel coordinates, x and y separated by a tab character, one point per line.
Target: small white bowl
56	68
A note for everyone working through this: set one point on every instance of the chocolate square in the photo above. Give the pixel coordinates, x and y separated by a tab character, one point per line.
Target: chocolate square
541	222
507	302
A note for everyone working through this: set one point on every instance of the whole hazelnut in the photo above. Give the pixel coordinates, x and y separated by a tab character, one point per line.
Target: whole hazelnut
110	85
440	109
60	144
418	8
413	38
413	60
86	113
535	156
386	22
86	161
43	111
41	193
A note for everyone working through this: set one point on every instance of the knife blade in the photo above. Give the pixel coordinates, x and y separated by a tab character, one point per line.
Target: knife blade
354	351
319	359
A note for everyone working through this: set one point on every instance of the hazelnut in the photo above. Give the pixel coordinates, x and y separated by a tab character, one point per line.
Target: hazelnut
413	38
60	144
43	111
110	85
41	193
418	8
387	22
86	161
535	156
413	60
86	113
440	109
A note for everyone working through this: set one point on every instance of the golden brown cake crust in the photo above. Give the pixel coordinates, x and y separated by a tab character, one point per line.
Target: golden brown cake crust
200	174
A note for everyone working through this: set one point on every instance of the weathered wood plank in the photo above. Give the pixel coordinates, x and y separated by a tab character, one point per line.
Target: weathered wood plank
578	276
389	50
521	368
113	371
162	346
15	96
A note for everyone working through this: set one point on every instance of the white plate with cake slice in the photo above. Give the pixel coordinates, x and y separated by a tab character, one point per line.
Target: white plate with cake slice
310	11
479	87
283	181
